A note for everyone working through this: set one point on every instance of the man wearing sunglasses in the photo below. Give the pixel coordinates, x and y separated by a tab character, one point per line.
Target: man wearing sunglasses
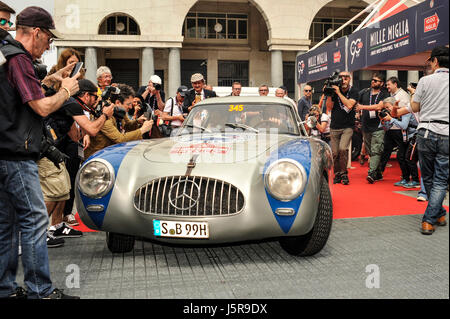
342	109
23	106
5	16
370	102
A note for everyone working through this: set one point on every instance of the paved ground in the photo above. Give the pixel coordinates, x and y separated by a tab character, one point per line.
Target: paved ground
410	266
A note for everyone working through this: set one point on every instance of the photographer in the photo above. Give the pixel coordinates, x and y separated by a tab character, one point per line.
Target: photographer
318	124
370	103
56	181
341	101
23	105
173	112
153	95
104	77
118	128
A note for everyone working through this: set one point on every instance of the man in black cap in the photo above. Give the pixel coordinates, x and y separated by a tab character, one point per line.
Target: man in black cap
431	100
173	111
22	108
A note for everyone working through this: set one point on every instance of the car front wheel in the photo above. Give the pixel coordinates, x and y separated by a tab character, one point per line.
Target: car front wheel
313	242
118	243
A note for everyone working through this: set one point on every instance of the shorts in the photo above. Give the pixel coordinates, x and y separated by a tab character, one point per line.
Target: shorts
55	182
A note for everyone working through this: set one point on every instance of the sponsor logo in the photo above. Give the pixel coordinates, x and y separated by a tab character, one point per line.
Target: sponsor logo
337	57
431	23
355	49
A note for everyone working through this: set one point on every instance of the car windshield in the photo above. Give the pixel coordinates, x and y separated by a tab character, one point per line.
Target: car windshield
252	118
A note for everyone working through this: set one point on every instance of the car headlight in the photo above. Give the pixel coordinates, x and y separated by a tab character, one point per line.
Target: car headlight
285	180
96	178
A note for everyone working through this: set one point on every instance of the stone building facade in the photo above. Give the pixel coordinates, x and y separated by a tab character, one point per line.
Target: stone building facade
252	41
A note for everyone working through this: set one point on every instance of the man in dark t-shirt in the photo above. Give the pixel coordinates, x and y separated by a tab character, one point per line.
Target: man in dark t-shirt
370	102
342	105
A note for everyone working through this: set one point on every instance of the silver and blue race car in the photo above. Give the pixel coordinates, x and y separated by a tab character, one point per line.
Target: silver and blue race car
238	169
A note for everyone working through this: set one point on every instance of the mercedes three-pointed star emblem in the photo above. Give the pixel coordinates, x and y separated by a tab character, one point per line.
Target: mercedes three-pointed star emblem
184	194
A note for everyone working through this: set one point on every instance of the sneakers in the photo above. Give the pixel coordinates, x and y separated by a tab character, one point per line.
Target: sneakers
378	177
441	221
344	180
58	294
412	184
53	242
401	183
63	231
421	199
337	179
71	220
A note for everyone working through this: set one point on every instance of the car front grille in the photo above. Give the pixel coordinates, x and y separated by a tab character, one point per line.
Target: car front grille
189	196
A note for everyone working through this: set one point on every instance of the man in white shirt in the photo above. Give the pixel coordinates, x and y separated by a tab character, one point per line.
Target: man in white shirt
173	111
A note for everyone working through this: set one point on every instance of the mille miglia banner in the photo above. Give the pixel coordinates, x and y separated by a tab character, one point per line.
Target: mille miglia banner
392	38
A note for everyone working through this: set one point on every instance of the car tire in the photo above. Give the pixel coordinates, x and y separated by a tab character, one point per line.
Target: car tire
118	243
313	242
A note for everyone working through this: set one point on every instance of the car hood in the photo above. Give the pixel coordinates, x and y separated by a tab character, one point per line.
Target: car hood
213	148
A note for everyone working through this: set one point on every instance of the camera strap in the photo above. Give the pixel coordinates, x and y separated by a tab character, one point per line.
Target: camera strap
343	107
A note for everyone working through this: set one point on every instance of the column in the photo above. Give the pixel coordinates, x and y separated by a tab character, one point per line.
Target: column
391	73
174	71
298	88
277	68
413	76
90	62
148	65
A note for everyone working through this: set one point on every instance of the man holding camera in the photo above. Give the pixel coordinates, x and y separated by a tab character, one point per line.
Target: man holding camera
153	95
118	128
173	112
370	103
341	104
23	105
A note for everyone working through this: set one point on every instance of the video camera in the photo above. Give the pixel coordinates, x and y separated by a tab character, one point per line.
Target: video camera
334	79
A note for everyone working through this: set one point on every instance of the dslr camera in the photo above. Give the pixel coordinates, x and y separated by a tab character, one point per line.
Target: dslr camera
48	148
105	101
334	79
384	112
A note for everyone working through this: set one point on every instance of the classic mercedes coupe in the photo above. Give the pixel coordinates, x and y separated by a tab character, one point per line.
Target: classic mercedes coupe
239	169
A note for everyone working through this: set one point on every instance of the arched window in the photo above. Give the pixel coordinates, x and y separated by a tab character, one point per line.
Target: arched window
120	24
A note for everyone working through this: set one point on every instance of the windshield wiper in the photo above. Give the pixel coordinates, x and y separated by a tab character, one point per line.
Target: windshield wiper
199	127
243	126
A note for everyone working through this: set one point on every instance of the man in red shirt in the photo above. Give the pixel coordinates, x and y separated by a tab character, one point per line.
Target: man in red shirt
22	107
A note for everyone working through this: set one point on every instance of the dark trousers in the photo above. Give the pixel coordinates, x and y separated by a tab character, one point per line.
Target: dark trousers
340	143
394	138
72	165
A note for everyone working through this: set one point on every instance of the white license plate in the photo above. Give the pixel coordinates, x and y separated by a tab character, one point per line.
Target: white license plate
196	230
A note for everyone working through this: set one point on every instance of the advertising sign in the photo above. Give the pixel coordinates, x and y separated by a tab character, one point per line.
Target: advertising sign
432	24
356	48
391	38
322	62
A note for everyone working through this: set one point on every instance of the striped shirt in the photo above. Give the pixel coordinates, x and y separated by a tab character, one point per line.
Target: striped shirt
21	76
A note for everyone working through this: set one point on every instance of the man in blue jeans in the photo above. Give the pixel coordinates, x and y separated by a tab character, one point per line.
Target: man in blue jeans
22	107
431	99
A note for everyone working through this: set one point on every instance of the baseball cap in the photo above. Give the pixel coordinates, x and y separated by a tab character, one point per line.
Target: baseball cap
183	90
87	86
197	77
439	51
155	79
39	18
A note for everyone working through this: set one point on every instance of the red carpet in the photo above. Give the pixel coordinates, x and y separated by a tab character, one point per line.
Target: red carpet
361	199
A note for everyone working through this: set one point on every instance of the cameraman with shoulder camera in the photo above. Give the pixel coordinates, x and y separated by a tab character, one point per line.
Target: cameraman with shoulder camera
118	128
370	103
342	98
23	105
